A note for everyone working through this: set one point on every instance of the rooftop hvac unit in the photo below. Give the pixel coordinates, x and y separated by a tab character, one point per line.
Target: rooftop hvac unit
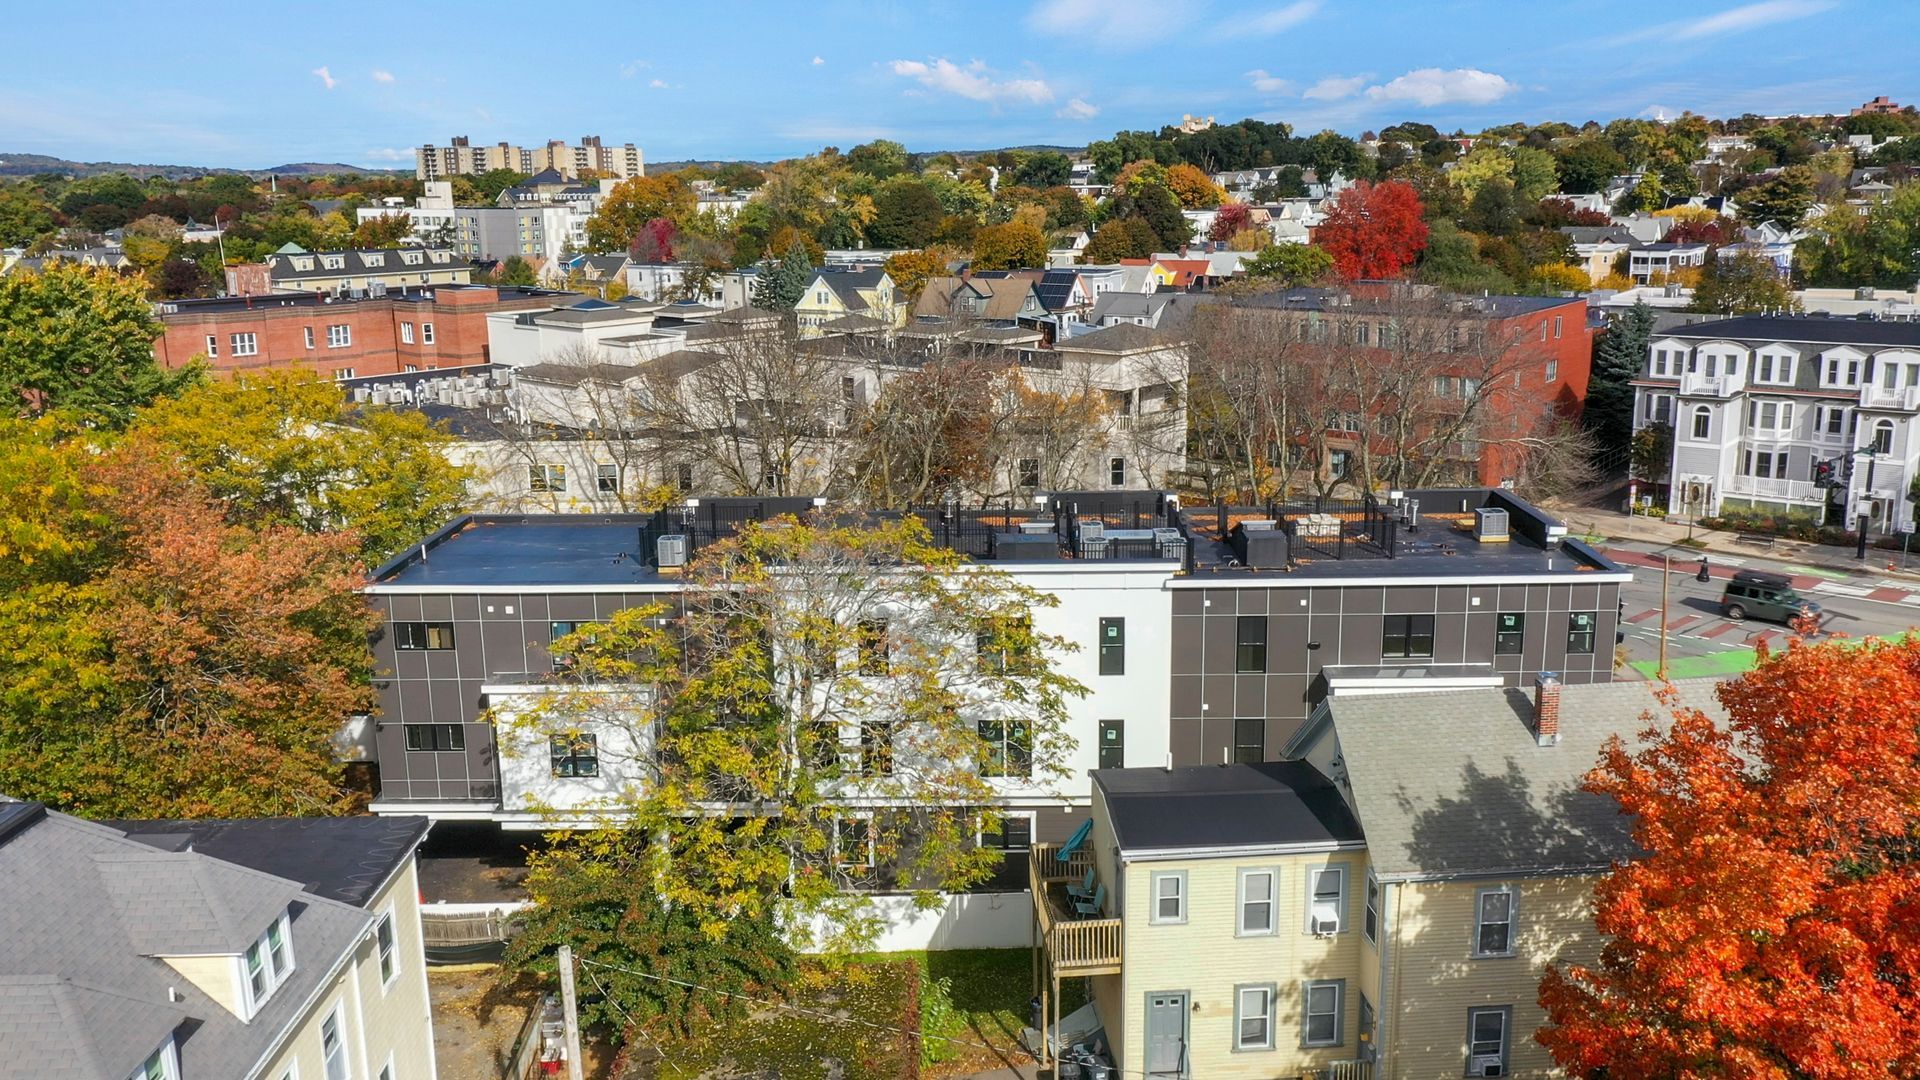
1171	544
469	398
1093	529
1036	528
1490	524
671	550
1864	292
361	394
1259	524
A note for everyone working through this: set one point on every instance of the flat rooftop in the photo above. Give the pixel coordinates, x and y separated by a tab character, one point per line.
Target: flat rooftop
266	302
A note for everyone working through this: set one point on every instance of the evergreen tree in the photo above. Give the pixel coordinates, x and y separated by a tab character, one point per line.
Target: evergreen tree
1617	359
780	288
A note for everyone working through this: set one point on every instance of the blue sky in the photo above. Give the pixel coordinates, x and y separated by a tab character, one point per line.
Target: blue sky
258	84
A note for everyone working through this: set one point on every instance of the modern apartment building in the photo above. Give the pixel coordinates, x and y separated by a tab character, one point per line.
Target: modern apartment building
182	950
371	270
1235	623
1383	903
461	157
400	331
1796	416
532	228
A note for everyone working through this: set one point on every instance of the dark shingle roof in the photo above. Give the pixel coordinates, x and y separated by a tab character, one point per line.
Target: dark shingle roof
1272	804
354	263
1809	329
344	859
1119	338
1452	784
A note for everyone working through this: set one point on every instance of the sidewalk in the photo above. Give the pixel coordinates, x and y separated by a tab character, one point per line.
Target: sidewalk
1587	520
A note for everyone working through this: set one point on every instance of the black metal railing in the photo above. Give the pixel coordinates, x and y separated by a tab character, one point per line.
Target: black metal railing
1338	528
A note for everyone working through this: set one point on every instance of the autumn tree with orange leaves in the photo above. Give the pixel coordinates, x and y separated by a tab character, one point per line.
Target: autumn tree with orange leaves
1373	230
1772	929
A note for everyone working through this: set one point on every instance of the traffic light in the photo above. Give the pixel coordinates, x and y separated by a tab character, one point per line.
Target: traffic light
1823	474
1846	471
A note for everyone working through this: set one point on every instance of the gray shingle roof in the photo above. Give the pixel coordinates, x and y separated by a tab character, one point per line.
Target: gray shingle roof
1119	338
1809	329
281	267
65	928
1453	785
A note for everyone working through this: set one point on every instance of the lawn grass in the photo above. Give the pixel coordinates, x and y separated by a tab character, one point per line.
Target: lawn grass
848	1021
989	991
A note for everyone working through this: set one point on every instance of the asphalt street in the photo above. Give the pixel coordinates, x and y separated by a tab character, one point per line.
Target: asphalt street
1702	641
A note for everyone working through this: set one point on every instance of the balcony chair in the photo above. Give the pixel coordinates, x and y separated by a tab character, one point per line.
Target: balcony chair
1091	908
1082	891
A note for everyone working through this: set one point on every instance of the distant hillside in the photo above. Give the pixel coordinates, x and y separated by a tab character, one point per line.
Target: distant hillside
32	164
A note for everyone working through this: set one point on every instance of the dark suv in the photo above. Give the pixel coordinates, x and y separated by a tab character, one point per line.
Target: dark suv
1765	595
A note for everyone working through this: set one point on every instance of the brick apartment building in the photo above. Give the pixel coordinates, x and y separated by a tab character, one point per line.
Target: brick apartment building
420	330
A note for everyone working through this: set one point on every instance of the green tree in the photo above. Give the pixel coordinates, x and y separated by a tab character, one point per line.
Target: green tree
1044	169
1536	174
1120	238
1652	453
781	285
1161	211
906	214
1619	356
634	202
879	159
1290	264
1492	210
1783	200
592	891
81	338
1741	283
25	216
811	665
1014	246
286	448
1587	164
386	231
488	185
515	270
1484	164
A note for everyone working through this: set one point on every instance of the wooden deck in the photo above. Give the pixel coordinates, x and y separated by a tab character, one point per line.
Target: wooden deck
1071	944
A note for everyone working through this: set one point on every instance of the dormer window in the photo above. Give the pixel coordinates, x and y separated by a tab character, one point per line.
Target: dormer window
267	963
164	1064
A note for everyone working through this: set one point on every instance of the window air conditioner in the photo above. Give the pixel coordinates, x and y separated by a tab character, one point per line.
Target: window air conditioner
1486	1065
1325	920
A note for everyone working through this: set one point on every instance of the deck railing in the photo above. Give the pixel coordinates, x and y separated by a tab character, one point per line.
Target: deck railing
1074	945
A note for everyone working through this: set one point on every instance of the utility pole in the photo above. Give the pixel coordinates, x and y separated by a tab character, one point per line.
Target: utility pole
1666	573
570	1011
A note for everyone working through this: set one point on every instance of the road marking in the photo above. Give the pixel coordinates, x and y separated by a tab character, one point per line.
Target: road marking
1644	616
1718	630
1684	620
1837	589
1888	595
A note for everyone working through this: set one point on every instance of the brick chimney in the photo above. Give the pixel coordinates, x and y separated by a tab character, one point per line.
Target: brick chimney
1546	708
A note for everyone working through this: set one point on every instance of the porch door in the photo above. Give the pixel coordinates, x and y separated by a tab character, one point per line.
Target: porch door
1166	1034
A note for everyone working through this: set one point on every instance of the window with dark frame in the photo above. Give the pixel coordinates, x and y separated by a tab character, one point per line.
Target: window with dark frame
876	749
1580	627
606	478
1250	645
415	636
870	643
1249	741
426	737
1320	1024
555	631
1013	833
1510	633
1406	637
575	755
1487	1041
1003	644
1113	646
1008	748
1029	470
1113	744
852	843
1493	923
1371	925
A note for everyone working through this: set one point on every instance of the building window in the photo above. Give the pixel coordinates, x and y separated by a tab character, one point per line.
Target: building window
245	344
1113	646
410	368
870	644
876	749
1004	645
1008	748
1326	899
1013	833
1253	1017
1841	372
308	331
1249	740
1250	650
1509	633
342	373
333	1044
1487	1040
1882	437
1702	421
1258	889
406	333
383	937
574	755
163	1064
1113	744
213	346
556	631
1407	637
1029	469
1169	897
853	843
549	476
426	333
1553	370
1320	1015
1117	472
1371	925
1556	327
339	336
436	737
1493	922
268	962
683	477
423	635
1580	626
606	478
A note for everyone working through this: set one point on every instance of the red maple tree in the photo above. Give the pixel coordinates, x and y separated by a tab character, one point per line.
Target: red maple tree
1230	219
1772	928
1373	230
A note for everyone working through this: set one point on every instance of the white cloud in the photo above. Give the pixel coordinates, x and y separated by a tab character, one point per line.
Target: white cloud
818	60
1076	109
1658	112
381	76
1282	18
326	77
658	84
1435	86
1731	21
634	67
1268	84
1114	24
974	82
388	153
1335	87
